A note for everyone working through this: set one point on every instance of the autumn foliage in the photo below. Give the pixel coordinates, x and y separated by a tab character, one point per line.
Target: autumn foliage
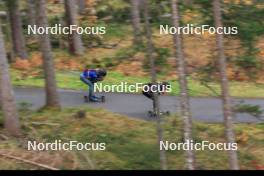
33	66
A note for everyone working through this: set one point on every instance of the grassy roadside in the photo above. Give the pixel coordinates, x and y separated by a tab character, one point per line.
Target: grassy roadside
70	80
131	144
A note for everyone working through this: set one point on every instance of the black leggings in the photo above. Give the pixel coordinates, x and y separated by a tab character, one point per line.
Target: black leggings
148	95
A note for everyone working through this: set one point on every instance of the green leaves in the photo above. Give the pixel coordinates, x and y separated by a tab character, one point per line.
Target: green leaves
254	110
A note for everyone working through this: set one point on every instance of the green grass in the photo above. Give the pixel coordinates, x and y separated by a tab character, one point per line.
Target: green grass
131	144
117	30
70	80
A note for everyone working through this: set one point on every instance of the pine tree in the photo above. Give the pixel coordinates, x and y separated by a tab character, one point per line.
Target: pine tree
7	99
156	105
31	14
184	96
135	19
226	99
52	97
16	28
75	40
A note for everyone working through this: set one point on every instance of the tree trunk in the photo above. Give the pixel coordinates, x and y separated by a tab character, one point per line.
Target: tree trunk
52	97
11	57
226	99
156	105
75	41
31	14
62	43
135	19
184	96
6	93
17	30
82	6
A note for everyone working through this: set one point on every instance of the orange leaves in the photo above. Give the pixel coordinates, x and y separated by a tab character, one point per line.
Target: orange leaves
242	138
135	68
237	74
33	64
28	68
248	2
257	166
90	3
73	64
25	65
21	64
68	64
260	45
36	60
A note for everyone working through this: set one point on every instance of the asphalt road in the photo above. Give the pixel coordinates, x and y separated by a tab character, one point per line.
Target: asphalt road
137	106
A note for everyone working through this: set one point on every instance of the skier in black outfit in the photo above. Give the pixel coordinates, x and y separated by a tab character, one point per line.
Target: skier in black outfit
160	88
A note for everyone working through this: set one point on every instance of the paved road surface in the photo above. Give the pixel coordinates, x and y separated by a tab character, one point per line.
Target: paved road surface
136	106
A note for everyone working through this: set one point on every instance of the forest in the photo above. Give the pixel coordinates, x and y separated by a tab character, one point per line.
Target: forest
204	58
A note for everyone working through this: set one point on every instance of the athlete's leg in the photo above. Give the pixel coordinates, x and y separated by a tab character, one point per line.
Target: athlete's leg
148	95
90	86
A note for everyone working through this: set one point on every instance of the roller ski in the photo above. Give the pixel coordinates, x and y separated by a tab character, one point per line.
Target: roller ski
152	114
88	99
